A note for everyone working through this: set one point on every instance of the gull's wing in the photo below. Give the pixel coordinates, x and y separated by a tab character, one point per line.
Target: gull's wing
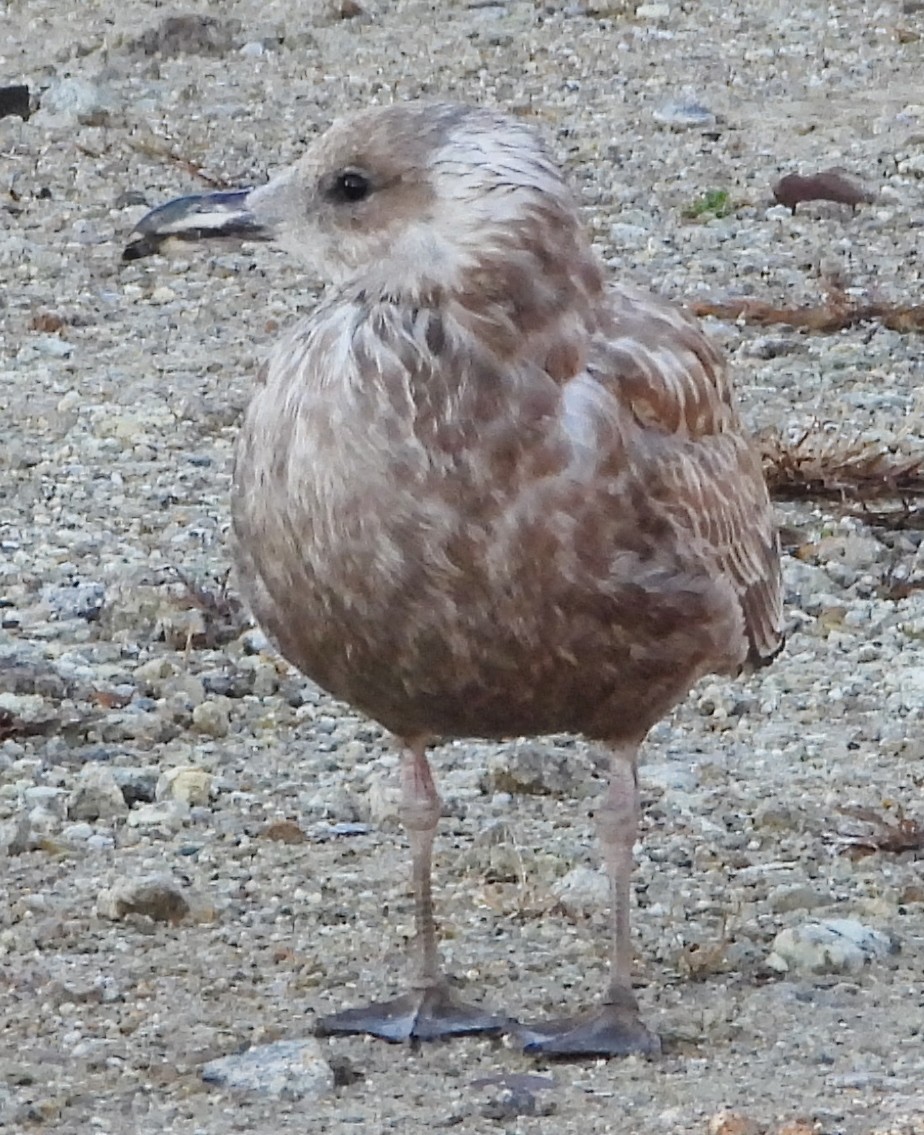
693	451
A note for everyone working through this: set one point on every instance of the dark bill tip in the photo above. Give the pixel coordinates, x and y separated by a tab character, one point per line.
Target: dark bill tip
202	216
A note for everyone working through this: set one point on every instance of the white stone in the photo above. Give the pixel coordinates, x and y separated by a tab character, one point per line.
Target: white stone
835	945
288	1069
187	784
653	11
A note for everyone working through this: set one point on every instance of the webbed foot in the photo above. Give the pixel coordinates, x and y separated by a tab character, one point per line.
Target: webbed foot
425	1014
613	1029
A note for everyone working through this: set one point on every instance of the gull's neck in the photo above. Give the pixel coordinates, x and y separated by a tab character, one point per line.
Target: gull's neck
513	285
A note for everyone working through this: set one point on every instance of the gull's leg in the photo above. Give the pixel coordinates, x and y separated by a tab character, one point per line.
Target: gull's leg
614	1028
429	1010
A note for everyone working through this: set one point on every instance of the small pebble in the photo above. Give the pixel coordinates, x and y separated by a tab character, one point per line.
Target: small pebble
96	796
77	100
796	896
158	897
583	891
211	718
188	785
653	11
684	115
52	346
530	770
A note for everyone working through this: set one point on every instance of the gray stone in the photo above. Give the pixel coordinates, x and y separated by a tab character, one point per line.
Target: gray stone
684	115
79	600
653	11
28	713
211	718
47	797
191	34
97	796
138	785
538	770
583	891
15	835
77	100
168	814
288	1069
796	896
383	799
50	345
158	897
624	235
77	833
771	347
835	945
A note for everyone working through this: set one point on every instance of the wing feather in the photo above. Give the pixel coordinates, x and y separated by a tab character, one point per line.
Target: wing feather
694	452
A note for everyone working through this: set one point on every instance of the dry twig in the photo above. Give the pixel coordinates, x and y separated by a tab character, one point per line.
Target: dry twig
224	617
154	147
826	466
837	312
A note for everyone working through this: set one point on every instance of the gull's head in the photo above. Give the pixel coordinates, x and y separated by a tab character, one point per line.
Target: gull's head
402	199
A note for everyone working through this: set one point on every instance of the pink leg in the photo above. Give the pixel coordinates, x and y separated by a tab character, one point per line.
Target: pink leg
420	813
615	1028
617	830
430	1010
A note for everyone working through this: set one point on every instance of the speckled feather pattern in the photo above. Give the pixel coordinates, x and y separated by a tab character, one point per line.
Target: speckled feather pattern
478	492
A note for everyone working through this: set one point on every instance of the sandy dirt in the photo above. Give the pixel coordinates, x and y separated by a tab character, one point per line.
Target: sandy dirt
122	658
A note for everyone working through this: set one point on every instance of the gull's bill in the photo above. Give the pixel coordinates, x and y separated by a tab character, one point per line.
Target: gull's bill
200	216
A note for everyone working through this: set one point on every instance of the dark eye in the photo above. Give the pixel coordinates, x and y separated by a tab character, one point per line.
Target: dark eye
348	186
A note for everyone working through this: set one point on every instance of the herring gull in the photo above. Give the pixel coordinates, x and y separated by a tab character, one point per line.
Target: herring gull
478	492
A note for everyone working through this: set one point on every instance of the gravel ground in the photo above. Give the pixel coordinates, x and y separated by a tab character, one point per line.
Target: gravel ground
198	849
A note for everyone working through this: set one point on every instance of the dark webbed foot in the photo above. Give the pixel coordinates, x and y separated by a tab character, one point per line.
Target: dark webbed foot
614	1029
425	1014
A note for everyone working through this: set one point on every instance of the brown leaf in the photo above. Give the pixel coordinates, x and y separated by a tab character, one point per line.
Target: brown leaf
109	699
47	322
284	831
826	185
733	1123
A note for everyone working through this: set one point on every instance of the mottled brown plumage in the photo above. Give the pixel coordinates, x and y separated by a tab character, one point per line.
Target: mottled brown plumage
479	492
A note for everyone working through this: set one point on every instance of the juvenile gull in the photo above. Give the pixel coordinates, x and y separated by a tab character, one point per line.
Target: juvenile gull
479	493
